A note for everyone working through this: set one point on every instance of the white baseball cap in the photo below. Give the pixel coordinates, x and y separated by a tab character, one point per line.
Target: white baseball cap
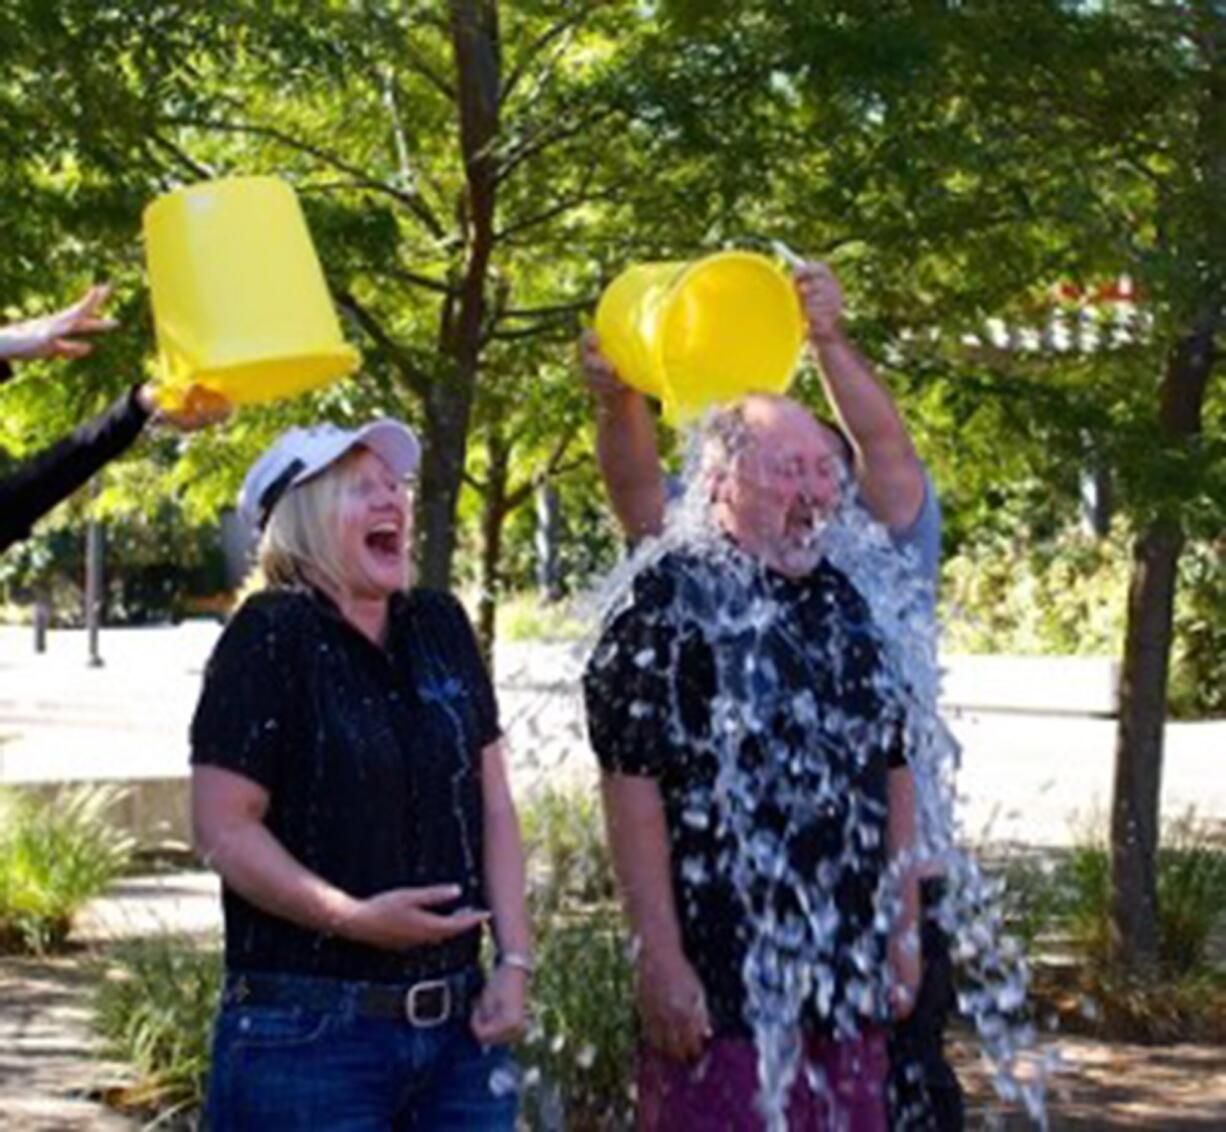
302	453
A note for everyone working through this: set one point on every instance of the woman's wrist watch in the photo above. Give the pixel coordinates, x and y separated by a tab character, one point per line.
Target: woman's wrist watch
519	960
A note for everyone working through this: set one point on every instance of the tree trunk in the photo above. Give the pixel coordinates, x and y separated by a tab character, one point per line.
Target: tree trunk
448	406
1138	753
475	46
1147	647
493	517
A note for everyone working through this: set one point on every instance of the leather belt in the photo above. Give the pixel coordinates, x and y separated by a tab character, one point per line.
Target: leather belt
424	1004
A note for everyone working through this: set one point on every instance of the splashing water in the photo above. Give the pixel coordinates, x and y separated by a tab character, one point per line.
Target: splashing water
802	718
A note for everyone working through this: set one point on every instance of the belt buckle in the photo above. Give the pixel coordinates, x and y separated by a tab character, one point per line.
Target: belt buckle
424	1019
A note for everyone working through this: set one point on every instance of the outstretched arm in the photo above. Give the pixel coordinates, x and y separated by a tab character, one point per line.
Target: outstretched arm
888	471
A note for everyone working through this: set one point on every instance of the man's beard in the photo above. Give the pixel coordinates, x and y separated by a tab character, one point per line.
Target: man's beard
797	551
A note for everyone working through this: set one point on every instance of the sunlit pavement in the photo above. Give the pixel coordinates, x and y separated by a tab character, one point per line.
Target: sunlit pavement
1026	777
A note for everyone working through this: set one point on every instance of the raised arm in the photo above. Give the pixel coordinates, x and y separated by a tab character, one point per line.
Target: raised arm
625	445
888	471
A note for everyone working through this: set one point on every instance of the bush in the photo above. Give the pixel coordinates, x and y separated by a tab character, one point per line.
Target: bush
1186	998
579	1055
1191	894
1068	595
528	617
154	1009
580	1049
568	859
54	857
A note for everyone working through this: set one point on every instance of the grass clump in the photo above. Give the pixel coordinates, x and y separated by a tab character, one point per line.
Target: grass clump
55	856
154	1009
1066	904
579	1052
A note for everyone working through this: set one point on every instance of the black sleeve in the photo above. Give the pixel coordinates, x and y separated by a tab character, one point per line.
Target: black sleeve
41	482
628	693
242	720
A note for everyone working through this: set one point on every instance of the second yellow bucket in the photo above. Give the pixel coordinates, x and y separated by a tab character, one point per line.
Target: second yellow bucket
696	334
239	299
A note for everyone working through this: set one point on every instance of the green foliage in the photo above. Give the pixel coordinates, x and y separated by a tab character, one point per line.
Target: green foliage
1198	667
569	859
528	617
1191	893
55	856
581	1044
1067	595
1064	596
154	1008
1070	895
580	1051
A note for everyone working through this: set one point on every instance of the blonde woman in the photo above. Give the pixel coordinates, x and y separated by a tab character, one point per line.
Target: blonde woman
349	786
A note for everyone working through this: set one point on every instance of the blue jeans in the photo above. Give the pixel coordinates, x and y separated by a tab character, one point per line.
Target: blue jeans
287	1068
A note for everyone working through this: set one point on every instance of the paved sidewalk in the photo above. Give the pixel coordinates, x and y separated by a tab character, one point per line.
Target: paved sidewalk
48	1066
48	1057
1025	777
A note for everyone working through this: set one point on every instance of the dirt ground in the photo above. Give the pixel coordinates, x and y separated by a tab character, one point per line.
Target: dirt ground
49	1070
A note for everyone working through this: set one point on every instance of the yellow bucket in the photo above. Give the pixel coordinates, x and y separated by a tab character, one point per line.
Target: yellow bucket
239	299
696	334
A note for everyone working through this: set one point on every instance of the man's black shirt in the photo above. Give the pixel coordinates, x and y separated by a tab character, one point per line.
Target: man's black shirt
758	705
371	758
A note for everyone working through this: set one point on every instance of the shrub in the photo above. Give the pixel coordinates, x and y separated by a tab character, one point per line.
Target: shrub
54	857
528	617
1191	883
568	858
1191	893
154	1009
580	1050
579	1055
1068	595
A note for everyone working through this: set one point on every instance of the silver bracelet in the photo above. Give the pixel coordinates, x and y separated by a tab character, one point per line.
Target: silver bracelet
519	960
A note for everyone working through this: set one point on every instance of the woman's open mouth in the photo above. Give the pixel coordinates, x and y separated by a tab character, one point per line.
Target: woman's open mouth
385	541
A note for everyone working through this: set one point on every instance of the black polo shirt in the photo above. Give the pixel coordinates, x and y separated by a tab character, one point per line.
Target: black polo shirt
371	758
761	707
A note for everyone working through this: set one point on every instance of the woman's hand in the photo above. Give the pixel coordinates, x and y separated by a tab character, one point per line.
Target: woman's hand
400	918
200	408
498	1017
58	335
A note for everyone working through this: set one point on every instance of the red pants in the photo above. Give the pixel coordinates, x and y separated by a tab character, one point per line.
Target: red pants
719	1092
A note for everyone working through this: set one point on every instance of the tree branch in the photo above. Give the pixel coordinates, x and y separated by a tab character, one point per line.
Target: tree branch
418	380
546	312
560	208
411	200
519	494
196	168
415	279
546	139
520	71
